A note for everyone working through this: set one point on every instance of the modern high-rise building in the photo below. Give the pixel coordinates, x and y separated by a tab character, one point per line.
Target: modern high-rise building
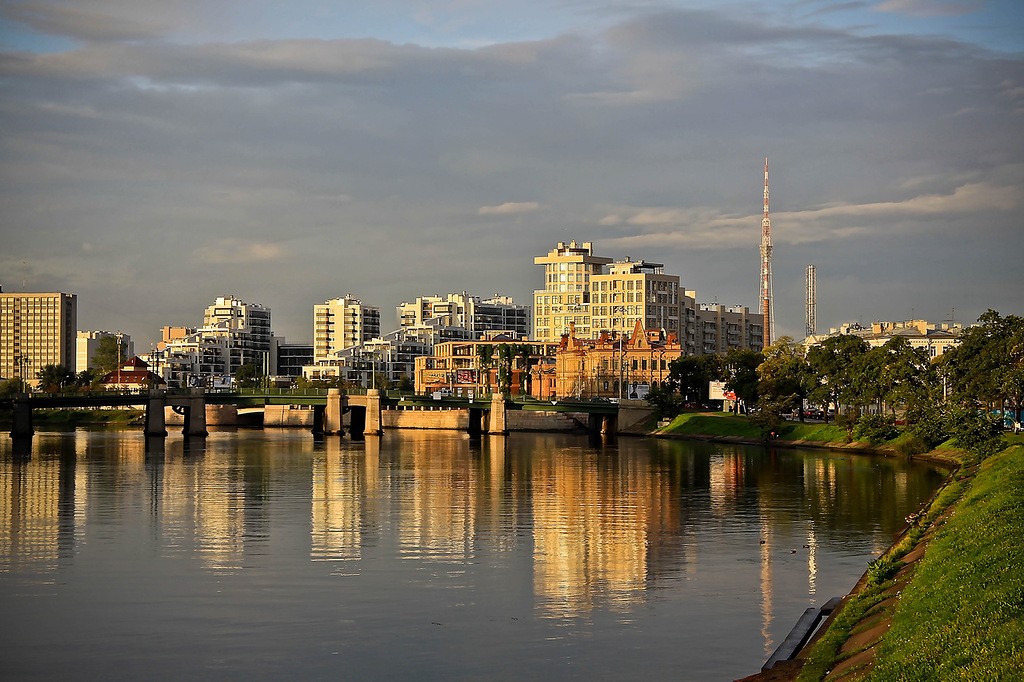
36	329
565	298
495	314
583	298
233	334
341	323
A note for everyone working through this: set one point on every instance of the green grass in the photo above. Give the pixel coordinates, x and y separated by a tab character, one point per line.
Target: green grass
962	617
721	425
826	652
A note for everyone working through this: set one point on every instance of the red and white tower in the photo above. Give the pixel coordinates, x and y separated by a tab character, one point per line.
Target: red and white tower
767	307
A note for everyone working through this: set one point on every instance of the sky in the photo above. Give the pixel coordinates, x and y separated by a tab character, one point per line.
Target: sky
155	155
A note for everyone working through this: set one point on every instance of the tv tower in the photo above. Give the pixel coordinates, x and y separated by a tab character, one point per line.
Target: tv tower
812	286
767	307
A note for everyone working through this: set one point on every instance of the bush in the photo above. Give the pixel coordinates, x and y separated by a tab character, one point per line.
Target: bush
875	428
931	425
910	444
975	431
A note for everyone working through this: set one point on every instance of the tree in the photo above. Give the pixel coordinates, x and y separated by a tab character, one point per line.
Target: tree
248	376
741	373
110	352
833	361
905	378
55	378
988	364
785	378
689	375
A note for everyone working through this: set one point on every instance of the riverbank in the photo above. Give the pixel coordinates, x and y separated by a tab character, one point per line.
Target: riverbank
946	601
728	428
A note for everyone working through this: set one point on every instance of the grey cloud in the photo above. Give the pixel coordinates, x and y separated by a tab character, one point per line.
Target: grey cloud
306	169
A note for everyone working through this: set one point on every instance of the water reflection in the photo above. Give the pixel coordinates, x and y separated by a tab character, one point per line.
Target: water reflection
582	530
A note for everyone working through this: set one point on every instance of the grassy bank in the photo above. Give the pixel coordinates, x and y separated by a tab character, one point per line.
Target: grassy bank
962	617
955	612
722	425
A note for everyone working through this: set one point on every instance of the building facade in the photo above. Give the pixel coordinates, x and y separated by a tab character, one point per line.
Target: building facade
565	298
610	366
935	338
475	367
636	290
36	330
721	328
495	314
342	323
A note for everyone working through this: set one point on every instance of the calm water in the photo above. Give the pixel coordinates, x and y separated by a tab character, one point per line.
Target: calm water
266	555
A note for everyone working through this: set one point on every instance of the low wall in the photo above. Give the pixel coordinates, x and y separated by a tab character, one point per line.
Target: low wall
530	420
288	415
216	415
425	419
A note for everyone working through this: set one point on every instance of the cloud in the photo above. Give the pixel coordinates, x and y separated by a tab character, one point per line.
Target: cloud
85	24
237	251
930	8
510	208
701	228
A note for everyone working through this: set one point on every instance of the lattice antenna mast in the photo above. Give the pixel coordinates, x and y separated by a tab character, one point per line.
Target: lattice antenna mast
812	286
767	307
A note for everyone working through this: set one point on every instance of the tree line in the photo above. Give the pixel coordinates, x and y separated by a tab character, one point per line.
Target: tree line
966	391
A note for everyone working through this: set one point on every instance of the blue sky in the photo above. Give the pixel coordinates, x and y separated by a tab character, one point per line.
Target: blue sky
156	155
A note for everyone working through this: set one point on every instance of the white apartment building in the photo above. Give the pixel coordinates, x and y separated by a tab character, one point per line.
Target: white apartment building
234	333
36	329
87	342
495	314
341	323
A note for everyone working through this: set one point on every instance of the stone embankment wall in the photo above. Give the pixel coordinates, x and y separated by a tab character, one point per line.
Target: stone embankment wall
458	420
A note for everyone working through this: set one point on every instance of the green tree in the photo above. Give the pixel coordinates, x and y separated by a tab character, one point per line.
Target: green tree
832	362
905	376
689	375
784	378
988	364
9	387
740	367
55	378
110	352
248	376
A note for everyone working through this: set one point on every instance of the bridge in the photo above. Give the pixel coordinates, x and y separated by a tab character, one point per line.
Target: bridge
364	407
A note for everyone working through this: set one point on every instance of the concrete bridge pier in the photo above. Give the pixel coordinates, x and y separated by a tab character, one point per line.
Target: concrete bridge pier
372	425
609	425
21	423
497	423
331	417
195	417
156	423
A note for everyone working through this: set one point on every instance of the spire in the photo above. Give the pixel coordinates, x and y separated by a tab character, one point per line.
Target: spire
767	308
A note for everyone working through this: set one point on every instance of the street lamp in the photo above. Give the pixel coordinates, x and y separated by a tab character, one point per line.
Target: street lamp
622	348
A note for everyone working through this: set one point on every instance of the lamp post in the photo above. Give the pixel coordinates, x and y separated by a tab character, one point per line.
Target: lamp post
622	348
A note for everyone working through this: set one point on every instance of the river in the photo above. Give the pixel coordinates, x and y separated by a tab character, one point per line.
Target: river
267	554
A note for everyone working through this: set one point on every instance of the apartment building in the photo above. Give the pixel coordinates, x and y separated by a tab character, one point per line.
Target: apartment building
342	323
721	328
473	366
637	290
565	298
495	314
234	333
36	330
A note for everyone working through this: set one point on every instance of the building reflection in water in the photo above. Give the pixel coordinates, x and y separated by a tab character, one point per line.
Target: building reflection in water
340	477
437	500
591	515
